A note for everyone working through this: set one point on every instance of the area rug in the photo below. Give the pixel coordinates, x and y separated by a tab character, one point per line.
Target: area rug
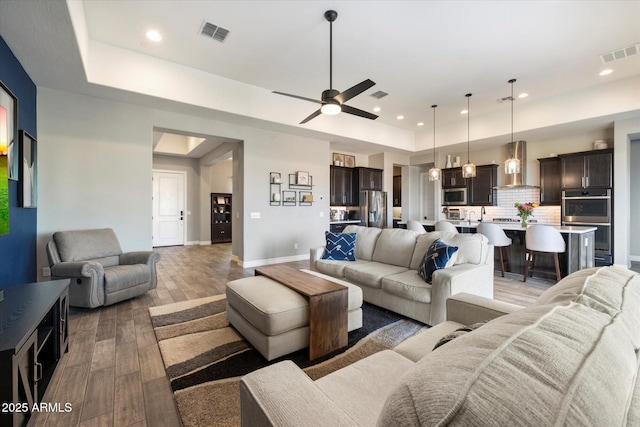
205	357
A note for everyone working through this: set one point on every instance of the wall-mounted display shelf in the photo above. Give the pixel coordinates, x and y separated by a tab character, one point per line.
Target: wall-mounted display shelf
275	185
288	198
221	215
306	198
300	182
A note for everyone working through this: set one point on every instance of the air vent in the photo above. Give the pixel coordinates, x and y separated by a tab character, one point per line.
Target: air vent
379	94
619	53
505	99
213	31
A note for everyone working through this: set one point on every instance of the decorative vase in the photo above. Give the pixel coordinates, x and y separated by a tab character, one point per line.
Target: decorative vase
523	223
448	165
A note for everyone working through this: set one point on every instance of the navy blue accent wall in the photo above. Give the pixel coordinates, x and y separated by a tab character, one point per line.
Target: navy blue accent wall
18	247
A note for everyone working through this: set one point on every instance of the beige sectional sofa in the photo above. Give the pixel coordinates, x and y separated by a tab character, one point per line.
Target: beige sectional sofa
386	268
571	359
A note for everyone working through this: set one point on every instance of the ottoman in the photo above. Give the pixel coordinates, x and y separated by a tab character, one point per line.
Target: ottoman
274	318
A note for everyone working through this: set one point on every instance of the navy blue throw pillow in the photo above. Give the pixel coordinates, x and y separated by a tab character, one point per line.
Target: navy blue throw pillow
436	258
340	246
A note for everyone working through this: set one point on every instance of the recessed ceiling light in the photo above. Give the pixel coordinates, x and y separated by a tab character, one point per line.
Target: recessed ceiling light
400	117
153	35
464	111
420	124
523	95
606	72
377	109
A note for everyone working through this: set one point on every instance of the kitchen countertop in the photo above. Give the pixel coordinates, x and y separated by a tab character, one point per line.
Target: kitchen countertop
515	226
346	221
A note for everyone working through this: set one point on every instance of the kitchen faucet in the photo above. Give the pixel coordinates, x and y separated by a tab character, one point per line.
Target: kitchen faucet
482	212
469	216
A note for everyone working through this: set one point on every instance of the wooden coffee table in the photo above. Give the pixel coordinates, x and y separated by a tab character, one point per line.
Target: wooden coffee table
328	307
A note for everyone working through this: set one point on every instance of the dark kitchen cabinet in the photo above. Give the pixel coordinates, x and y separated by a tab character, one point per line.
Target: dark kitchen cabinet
221	215
550	181
452	178
481	187
368	179
592	169
341	186
33	337
397	191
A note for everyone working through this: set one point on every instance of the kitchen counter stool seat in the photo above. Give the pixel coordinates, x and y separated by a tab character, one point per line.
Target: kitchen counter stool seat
499	239
446	226
542	240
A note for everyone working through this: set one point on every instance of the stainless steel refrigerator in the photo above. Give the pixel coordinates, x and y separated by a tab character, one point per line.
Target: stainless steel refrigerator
373	208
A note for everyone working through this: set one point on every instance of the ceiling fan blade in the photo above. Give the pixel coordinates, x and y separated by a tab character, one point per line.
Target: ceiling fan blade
311	116
353	91
358	112
299	97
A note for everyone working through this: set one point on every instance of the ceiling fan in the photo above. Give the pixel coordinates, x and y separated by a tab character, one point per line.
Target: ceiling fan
333	102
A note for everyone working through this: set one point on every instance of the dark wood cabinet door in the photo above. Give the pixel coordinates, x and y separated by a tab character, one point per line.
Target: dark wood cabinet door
369	179
397	191
341	186
452	178
572	172
480	189
598	170
550	182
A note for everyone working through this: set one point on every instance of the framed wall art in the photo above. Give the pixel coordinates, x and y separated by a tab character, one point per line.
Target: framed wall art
28	171
9	130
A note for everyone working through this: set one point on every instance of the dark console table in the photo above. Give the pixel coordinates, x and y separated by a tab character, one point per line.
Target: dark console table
34	334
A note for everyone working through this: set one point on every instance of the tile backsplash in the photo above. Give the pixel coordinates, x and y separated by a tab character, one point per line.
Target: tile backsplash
505	208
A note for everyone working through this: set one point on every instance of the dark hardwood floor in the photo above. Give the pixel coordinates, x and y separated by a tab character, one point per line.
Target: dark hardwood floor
113	374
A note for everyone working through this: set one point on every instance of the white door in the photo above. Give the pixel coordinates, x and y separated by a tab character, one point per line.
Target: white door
429	201
168	208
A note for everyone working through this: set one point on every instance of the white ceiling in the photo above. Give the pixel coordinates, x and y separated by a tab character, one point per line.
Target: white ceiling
420	52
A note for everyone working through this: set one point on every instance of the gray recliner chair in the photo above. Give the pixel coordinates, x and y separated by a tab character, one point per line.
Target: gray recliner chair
100	273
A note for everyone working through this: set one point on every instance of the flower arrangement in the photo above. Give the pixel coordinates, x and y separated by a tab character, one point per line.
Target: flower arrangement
525	210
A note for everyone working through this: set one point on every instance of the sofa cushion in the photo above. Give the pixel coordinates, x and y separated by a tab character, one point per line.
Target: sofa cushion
121	277
473	248
336	268
340	246
395	246
543	365
81	245
438	256
408	285
366	238
351	387
370	274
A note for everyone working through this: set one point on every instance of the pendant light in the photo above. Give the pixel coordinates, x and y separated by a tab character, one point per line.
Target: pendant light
434	173
469	169
512	164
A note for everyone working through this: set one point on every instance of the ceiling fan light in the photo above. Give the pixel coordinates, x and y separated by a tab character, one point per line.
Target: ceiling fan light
331	108
512	166
435	174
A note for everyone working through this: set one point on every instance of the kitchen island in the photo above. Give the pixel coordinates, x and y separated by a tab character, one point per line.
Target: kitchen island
579	253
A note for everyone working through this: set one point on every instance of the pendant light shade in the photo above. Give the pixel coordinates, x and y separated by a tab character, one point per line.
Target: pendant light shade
512	164
434	173
469	169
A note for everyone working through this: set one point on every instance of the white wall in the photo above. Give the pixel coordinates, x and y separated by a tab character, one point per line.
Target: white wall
221	177
95	166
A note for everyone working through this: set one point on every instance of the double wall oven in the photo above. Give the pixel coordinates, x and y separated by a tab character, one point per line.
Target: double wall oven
591	208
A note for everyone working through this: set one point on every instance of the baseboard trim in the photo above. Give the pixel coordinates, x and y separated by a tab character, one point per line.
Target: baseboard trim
261	262
635	258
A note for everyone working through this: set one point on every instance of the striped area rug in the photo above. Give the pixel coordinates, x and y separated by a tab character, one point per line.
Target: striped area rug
205	357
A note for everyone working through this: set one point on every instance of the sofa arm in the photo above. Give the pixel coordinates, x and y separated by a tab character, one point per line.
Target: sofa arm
467	309
77	269
283	395
139	257
314	255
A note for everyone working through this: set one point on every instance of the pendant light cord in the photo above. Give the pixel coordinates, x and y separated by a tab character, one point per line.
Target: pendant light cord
434	135
513	149
468	131
330	54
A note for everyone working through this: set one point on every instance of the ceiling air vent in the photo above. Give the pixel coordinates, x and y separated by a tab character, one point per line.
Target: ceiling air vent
213	31
619	53
379	94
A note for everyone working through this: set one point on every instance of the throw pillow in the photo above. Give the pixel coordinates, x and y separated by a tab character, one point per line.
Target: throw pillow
340	246
458	333
438	256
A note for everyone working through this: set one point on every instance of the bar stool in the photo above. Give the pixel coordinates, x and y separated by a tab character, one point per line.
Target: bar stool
446	226
499	239
542	240
415	226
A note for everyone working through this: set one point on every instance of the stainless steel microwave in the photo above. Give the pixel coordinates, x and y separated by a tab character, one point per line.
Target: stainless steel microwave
454	196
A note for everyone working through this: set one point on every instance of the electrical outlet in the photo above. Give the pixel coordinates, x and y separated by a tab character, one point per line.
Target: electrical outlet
46	272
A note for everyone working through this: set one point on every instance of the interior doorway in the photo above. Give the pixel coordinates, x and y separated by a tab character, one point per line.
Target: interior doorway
169	219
